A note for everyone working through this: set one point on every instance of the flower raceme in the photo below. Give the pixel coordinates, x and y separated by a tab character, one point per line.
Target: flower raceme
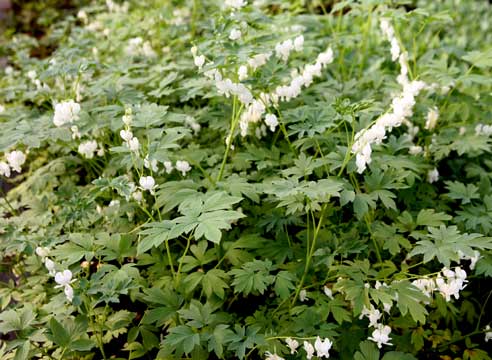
401	106
448	283
256	108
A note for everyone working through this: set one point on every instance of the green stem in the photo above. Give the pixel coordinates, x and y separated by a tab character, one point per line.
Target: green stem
376	246
365	40
188	243
350	142
309	254
234	120
284	131
482	311
4	195
170	259
146	212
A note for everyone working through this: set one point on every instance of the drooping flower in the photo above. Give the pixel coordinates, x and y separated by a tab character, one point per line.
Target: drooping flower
88	148
168	166
298	43
381	335
134	144
432	176
63	278
258	60
147	183
4	169
427	286
415	150
292	344
322	347
235	4
432	117
192	123
372	314
488	334
16	159
270	356
127	118
137	195
42	252
183	166
235	34
309	348
271	121
325	57
50	266
303	295
126	135
283	49
328	292
150	164
75	132
473	259
68	290
66	112
242	73
199	61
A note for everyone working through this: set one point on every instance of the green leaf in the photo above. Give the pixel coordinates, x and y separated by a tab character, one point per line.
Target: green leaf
397	355
82	345
480	59
79	247
368	351
253	277
182	339
484	266
284	283
244	338
156	233
444	243
198	315
338	310
22	352
12	320
409	300
214	282
217	340
149	115
362	203
429	217
239	186
459	191
59	335
211	224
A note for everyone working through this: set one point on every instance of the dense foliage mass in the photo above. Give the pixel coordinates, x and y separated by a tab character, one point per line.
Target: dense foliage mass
248	179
